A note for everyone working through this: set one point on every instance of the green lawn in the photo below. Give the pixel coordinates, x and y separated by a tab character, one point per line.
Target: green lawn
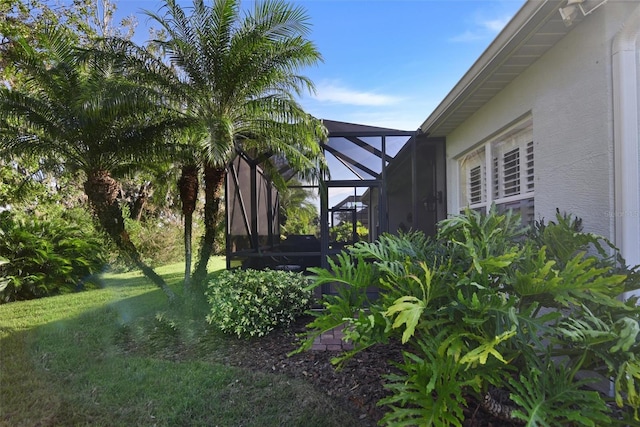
120	356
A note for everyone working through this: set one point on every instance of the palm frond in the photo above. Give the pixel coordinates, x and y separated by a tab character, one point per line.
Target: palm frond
242	75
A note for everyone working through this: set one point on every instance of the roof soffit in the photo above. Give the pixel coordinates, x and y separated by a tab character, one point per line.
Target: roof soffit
530	34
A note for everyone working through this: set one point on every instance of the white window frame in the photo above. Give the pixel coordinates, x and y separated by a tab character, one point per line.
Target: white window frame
491	153
466	165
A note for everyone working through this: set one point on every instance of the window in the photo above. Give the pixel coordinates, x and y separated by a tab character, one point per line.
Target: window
475	185
511	168
474	179
505	166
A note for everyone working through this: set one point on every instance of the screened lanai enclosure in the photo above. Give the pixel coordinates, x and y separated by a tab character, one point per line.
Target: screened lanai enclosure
379	180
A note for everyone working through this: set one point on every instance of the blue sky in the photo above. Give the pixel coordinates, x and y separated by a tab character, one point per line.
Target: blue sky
387	63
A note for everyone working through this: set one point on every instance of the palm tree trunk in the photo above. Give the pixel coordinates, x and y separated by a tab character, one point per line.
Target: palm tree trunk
213	181
188	186
138	205
102	191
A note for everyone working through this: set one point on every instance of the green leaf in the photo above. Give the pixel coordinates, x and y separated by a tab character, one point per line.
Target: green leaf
589	330
429	392
409	310
627	386
578	280
628	330
551	397
481	353
4	282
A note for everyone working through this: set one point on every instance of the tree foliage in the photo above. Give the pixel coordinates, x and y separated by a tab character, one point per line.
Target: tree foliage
238	78
78	109
298	214
343	232
86	20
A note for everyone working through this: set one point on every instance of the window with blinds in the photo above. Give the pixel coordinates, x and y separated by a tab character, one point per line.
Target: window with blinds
512	165
473	179
475	185
507	179
511	168
529	151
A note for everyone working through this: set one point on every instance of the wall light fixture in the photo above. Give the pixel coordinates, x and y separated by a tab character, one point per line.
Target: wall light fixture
570	10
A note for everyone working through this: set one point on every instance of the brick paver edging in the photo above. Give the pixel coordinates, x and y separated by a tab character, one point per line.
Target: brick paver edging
332	341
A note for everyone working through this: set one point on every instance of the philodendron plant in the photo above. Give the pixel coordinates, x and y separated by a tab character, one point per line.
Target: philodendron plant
491	307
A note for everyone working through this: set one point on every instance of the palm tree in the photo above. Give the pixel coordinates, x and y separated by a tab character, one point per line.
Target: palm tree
240	73
190	162
145	68
85	114
188	186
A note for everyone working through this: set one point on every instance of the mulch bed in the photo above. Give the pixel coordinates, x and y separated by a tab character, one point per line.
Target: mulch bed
357	386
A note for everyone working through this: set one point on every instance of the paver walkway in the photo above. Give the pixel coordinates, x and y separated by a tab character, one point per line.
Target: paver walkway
332	341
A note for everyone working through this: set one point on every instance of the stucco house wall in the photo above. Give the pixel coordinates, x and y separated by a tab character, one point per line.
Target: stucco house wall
568	95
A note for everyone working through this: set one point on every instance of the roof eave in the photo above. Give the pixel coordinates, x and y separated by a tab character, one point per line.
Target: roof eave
527	21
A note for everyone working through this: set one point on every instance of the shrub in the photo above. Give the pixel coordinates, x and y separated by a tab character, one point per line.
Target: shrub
47	256
159	241
484	308
343	232
251	303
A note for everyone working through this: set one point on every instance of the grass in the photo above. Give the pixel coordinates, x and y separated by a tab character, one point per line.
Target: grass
120	356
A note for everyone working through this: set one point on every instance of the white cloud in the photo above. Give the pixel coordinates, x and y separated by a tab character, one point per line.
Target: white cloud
406	114
468	36
337	93
402	119
496	25
482	29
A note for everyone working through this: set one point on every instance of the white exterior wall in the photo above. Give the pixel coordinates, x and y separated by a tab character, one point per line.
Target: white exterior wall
626	110
568	93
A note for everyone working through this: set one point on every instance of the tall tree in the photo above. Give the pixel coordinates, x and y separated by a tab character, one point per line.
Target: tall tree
85	114
85	19
146	67
241	70
188	186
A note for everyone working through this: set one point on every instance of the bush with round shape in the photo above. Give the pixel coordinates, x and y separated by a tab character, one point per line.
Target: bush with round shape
250	303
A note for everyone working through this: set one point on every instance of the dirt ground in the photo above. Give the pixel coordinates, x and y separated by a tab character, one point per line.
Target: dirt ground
358	386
